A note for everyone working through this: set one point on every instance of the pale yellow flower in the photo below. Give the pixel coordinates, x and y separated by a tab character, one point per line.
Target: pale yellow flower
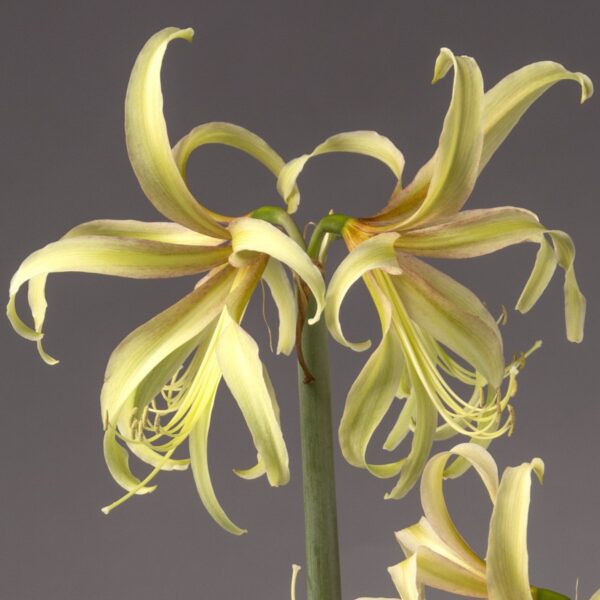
437	336
439	557
162	379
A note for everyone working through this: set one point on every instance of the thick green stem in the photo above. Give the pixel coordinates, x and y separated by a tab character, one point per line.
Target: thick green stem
320	512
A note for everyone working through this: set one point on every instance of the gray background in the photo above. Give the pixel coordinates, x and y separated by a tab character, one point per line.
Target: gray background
294	73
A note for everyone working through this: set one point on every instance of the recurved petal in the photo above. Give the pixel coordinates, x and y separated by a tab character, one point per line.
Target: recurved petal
371	396
285	300
375	253
198	443
404	576
451	175
472	233
425	416
507	557
143	349
434	504
452	314
106	255
367	143
237	137
244	373
148	143
509	99
254	235
117	461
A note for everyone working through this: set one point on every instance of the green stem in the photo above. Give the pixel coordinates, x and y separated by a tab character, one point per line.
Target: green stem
543	594
320	512
277	216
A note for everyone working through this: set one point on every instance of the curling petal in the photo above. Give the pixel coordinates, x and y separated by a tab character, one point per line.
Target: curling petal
148	143
236	137
285	300
244	373
255	235
507	557
376	253
367	143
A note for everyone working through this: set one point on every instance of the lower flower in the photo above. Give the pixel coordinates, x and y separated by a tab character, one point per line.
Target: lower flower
439	557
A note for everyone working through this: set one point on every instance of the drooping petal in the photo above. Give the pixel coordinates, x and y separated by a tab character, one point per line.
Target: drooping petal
243	371
434	504
236	137
451	314
473	233
376	253
425	415
507	558
106	255
117	461
508	100
367	143
143	349
285	300
446	182
574	300
541	274
437	565
255	235
370	397
404	576
198	443
563	254
148	143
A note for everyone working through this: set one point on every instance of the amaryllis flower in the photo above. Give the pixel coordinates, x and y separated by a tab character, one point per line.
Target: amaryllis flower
437	336
439	557
162	379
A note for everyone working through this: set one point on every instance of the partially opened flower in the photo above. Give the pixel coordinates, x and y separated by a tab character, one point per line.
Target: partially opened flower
439	557
162	379
437	336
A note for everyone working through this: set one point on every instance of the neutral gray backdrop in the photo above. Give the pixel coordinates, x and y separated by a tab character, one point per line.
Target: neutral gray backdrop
294	73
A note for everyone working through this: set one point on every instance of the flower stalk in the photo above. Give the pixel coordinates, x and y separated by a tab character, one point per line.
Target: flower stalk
323	580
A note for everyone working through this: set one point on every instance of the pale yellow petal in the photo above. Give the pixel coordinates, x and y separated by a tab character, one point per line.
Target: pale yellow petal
148	143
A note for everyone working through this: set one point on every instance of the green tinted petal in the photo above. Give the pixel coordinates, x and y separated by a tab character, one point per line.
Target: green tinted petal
453	315
148	141
472	233
367	143
574	300
243	372
236	137
255	235
434	504
404	576
143	349
138	259
198	442
509	99
370	397
456	160
157	231
438	566
543	270
425	422
507	558
285	300
117	461
376	253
